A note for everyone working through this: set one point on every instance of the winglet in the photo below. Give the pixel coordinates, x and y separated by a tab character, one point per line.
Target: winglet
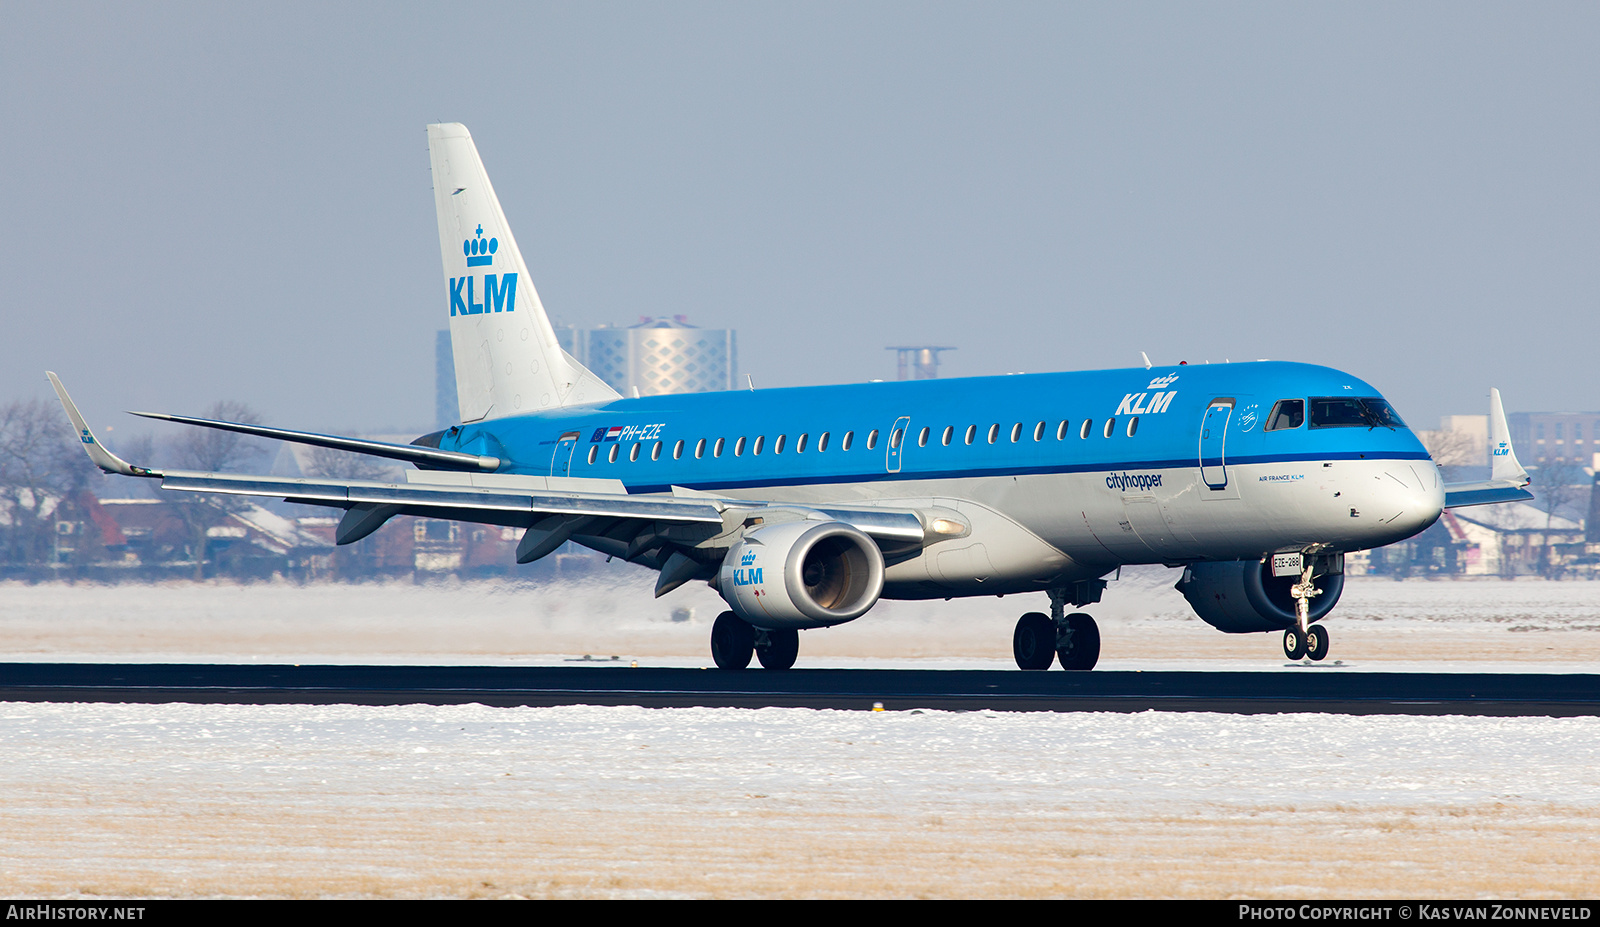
1503	463
97	452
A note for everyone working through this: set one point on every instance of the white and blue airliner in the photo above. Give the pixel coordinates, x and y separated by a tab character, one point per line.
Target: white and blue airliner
803	507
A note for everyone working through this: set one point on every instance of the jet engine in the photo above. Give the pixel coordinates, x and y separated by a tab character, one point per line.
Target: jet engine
804	574
1242	595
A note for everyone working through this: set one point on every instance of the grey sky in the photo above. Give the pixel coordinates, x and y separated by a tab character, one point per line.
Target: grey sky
220	201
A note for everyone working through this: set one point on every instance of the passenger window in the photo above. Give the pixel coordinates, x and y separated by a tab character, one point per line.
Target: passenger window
738	446
872	439
1085	428
777	446
922	438
972	433
1111	426
655	452
700	449
612	457
1287	413
1133	425
761	440
822	442
994	432
1016	433
1061	430
594	452
1038	432
716	449
896	436
800	444
949	432
677	450
633	452
849	439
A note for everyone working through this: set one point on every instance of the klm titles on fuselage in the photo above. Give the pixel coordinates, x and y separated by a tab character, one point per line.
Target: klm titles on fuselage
1148	403
499	290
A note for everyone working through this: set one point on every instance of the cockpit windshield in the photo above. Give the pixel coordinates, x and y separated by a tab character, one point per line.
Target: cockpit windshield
1353	412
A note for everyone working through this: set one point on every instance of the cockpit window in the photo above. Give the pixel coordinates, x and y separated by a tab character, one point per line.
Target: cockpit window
1353	412
1288	413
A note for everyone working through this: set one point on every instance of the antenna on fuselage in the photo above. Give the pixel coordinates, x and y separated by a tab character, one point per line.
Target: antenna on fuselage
1147	364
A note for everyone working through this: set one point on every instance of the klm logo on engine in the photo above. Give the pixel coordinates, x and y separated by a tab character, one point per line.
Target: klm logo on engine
747	575
499	294
1148	402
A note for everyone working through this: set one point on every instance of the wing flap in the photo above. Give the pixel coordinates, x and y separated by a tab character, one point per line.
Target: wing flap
462	501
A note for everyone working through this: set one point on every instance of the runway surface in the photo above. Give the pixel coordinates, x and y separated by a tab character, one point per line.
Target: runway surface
1311	689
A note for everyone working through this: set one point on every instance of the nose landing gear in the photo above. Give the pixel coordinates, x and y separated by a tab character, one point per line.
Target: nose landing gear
1305	639
1313	643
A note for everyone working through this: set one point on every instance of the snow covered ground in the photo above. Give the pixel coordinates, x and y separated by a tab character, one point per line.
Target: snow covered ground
185	800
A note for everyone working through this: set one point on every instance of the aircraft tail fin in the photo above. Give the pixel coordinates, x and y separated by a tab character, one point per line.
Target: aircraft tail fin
506	355
1507	482
1503	463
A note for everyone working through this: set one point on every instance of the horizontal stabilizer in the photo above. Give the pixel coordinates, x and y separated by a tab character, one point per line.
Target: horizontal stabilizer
1487	492
412	453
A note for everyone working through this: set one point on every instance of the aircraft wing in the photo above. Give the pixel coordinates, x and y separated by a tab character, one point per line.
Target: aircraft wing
681	535
1507	481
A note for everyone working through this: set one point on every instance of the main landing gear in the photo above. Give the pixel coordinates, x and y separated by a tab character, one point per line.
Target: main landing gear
734	641
1041	640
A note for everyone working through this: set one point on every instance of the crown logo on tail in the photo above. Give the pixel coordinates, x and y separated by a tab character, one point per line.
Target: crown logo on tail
480	253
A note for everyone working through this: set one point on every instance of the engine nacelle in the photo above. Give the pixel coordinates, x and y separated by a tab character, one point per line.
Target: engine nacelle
806	574
1242	595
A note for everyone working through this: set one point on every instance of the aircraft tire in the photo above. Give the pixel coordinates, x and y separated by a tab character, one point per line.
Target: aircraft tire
1033	644
1294	646
1083	650
733	642
1317	642
783	646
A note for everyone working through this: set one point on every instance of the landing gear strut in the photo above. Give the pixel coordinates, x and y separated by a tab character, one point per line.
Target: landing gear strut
1040	639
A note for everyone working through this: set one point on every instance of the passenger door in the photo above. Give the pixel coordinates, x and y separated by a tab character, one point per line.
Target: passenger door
1213	442
561	457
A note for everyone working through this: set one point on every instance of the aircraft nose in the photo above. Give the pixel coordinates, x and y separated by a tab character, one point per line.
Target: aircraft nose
1410	500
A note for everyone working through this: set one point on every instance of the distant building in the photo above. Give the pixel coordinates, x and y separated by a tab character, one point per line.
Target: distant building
918	362
1546	439
446	410
657	356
